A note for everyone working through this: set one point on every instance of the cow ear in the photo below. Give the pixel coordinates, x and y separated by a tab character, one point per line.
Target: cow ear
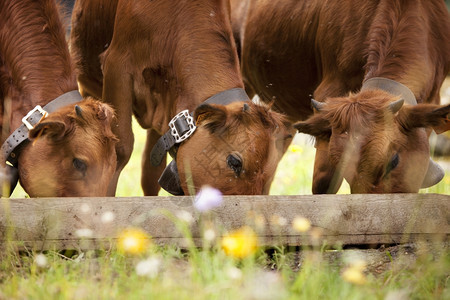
442	117
212	116
427	116
53	129
316	126
104	112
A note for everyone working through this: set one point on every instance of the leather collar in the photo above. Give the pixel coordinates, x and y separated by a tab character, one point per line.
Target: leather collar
10	148
182	126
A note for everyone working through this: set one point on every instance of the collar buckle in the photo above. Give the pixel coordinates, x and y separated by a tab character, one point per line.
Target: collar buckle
182	126
39	109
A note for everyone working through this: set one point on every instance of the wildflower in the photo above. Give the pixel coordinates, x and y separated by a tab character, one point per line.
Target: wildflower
259	222
185	216
133	241
355	272
257	219
40	260
208	198
84	233
397	295
108	217
265	285
301	224
209	235
240	243
316	234
149	267
85	208
234	273
354	275
295	149
277	220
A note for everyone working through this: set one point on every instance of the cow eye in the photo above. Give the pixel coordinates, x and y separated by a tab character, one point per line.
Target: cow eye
393	163
234	161
79	165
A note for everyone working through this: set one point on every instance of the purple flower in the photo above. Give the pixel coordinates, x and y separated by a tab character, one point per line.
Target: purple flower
208	198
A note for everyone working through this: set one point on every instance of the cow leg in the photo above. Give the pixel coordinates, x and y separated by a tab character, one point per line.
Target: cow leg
325	178
150	173
117	91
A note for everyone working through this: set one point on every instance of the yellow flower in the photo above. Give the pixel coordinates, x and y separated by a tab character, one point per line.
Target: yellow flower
133	241
240	243
355	272
355	275
295	149
301	224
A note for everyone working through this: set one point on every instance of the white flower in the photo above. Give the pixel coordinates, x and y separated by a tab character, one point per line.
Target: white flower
209	234
40	260
234	273
185	216
149	267
85	208
84	233
279	221
208	198
301	224
108	217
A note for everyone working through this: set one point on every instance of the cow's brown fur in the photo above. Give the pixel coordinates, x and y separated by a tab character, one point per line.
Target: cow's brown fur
35	68
292	51
163	57
254	135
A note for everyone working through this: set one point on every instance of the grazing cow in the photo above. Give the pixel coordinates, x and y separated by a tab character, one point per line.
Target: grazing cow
72	152
367	63
155	59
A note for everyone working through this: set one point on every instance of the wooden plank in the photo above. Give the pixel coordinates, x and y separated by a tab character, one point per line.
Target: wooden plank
48	223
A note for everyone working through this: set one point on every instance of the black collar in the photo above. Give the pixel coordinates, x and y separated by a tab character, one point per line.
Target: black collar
182	126
33	117
10	149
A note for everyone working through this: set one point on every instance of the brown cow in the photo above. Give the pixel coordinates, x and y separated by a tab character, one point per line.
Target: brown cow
360	58
73	147
163	57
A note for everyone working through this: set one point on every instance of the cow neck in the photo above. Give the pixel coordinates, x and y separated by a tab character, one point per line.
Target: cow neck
182	126
10	148
391	86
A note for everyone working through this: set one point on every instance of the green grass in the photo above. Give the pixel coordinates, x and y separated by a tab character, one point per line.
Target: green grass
210	274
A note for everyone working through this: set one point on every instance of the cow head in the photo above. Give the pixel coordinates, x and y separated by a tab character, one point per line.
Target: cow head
375	142
236	149
71	153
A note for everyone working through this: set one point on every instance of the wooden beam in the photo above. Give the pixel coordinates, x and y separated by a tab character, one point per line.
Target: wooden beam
48	223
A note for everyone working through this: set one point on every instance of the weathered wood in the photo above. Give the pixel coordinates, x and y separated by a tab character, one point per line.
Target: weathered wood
48	223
